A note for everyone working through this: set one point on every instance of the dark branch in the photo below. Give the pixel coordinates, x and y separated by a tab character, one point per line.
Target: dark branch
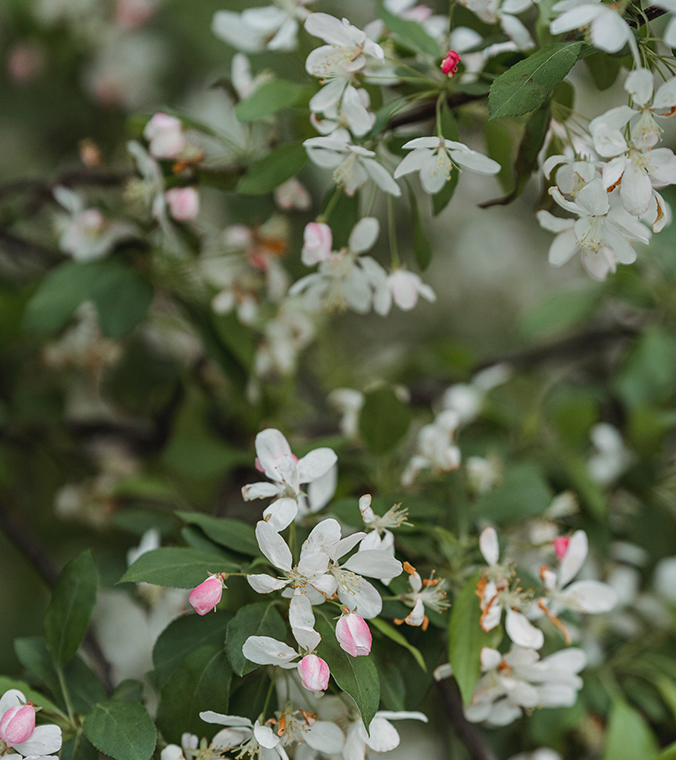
649	14
38	558
427	110
467	732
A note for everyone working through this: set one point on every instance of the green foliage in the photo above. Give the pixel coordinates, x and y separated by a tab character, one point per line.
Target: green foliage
384	420
259	619
629	736
560	311
176	567
186	634
39	700
122	730
528	84
649	375
280	164
272	96
392	633
409	33
421	244
466	638
121	294
233	534
70	609
78	748
356	676
523	493
201	682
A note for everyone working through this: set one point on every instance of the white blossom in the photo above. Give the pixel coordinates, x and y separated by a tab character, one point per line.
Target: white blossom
273	27
611	457
505	13
436	448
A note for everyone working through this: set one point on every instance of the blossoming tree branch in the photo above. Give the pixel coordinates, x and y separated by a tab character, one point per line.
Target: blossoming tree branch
469	553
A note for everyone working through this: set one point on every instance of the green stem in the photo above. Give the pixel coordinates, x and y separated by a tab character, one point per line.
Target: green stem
325	215
392	232
66	695
267	698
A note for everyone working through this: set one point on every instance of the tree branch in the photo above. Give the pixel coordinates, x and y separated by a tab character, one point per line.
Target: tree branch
37	557
427	110
467	732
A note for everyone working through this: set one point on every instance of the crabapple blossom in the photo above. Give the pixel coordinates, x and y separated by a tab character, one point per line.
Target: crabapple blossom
436	448
520	680
436	25
581	596
496	595
379	535
352	165
85	233
165	136
273	27
611	456
382	736
242	78
349	403
19	733
572	174
649	104
466	399
207	595
183	203
288	473
250	739
405	287
608	30
353	634
292	194
434	158
424	593
603	233
504	12
317	243
314	673
449	65
189	742
347	279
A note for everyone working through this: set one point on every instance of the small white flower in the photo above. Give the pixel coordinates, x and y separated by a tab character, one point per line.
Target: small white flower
353	165
466	399
165	136
611	458
242	79
273	27
379	535
436	448
405	287
249	739
349	403
424	593
504	13
287	473
292	194
382	736
434	158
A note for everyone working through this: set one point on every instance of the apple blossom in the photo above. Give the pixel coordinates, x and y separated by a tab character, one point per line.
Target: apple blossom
353	634
405	288
504	12
496	595
273	27
611	456
247	738
349	403
436	25
207	595
288	473
189	742
314	673
424	593
244	82
165	136
292	194
436	448
317	243
434	158
382	736
19	732
466	399
183	202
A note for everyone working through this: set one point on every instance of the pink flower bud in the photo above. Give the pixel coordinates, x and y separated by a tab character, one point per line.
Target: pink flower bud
449	65
17	724
183	202
314	673
207	595
165	135
354	635
560	545
317	243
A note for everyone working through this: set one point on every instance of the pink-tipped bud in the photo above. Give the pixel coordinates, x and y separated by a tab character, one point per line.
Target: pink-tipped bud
354	635
560	545
449	65
17	724
317	243
183	202
165	135
207	595
314	673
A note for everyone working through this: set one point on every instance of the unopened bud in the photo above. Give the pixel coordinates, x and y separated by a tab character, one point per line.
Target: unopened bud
560	545
314	673
17	725
354	635
449	65
207	595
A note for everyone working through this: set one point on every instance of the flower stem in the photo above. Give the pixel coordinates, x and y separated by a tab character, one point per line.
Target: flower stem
392	232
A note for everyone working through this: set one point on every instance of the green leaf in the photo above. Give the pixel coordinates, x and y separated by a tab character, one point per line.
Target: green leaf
466	638
201	682
186	634
527	84
71	606
356	676
421	244
129	690
121	294
176	567
280	164
78	748
669	753
649	375
270	97
523	493
409	33
84	688
233	534
604	69
259	619
392	684
629	736
122	730
393	634
559	312
384	420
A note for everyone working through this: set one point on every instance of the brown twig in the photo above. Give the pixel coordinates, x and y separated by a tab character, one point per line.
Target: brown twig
38	558
467	732
427	110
